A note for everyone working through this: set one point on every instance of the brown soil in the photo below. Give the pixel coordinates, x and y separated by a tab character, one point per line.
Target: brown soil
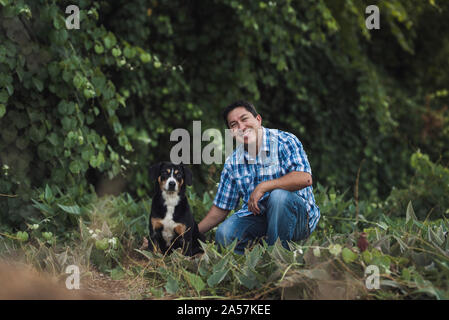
22	282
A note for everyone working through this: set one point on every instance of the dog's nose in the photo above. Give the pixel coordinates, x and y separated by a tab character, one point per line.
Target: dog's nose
171	184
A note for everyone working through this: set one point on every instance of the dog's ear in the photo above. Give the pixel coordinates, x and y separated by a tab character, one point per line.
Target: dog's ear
155	170
187	175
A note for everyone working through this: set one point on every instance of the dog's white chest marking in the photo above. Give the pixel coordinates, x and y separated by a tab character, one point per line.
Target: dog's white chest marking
168	231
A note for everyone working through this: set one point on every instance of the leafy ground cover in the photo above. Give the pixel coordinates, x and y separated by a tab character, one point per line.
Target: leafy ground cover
411	255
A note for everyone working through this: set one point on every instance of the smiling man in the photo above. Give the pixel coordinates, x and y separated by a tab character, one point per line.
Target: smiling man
269	170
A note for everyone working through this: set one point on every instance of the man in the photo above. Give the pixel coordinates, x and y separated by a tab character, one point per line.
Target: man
269	170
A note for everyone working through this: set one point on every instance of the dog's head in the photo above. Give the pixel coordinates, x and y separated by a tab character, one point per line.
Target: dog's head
171	177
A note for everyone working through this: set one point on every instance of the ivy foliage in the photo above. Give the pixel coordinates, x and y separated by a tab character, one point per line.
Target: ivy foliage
103	100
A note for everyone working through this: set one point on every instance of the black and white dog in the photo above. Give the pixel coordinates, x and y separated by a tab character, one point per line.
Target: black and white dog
171	222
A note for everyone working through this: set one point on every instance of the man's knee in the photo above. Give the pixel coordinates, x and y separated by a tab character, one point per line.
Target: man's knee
225	234
278	197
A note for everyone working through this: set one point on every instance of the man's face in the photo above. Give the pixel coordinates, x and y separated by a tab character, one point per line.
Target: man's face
244	125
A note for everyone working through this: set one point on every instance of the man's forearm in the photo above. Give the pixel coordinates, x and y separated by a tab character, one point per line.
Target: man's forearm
212	219
292	181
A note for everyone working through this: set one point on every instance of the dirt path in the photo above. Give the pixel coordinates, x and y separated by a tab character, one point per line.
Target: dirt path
101	284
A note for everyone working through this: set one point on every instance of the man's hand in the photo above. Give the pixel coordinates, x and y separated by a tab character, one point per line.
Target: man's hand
258	192
292	181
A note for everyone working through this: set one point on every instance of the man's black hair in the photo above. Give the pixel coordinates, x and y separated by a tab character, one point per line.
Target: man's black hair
245	104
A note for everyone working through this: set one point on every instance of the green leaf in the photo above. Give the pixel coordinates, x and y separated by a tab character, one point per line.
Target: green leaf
335	249
10	89
145	57
172	285
75	167
129	52
110	40
195	281
4	96
99	49
47	235
279	253
367	256
45	209
217	277
382	261
253	257
48	195
348	255
58	22
79	81
247	279
2	110
203	270
62	107
147	254
71	209
117	273
102	244
38	84
157	292
89	93
22	236
37	133
406	274
116	52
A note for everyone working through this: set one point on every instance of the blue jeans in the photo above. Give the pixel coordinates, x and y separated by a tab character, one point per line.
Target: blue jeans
285	217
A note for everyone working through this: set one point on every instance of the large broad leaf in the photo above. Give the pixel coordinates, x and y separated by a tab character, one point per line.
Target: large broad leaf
434	237
46	210
217	277
147	254
280	254
70	209
254	256
172	285
348	255
117	273
221	264
248	279
196	282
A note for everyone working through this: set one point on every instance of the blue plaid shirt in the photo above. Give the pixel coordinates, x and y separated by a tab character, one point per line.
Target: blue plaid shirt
281	152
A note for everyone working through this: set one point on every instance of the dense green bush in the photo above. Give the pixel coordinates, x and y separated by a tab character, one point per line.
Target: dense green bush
427	189
77	106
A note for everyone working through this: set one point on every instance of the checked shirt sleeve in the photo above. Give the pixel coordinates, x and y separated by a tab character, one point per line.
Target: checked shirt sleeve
293	156
227	196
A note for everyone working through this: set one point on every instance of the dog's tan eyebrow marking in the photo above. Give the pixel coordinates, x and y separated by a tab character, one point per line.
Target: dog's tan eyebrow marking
176	171
168	170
